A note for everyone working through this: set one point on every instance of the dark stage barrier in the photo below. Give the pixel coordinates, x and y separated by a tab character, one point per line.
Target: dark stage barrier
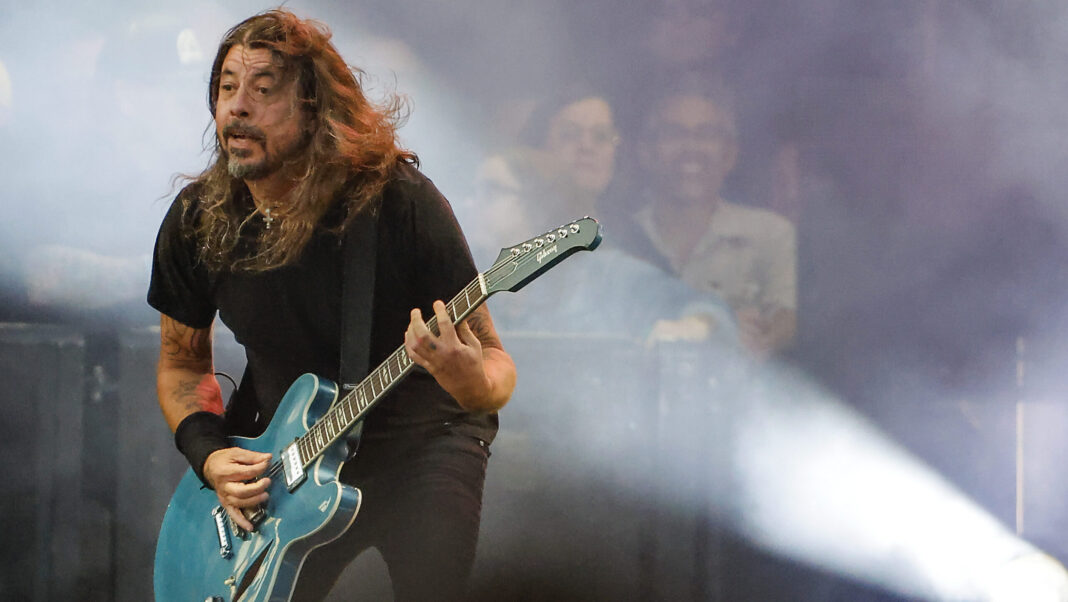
591	493
50	525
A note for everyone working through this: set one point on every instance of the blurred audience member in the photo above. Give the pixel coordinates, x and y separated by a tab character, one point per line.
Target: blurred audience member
563	164
743	254
581	138
688	33
563	169
752	47
660	36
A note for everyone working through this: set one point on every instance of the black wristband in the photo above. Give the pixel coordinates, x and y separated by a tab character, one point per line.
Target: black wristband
199	435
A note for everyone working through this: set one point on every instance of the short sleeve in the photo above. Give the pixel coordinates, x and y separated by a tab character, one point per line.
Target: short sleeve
180	286
441	251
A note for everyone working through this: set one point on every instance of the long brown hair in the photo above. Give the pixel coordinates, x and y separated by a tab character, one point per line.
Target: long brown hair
352	143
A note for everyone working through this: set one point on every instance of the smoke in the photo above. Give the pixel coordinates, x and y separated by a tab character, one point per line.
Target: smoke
929	136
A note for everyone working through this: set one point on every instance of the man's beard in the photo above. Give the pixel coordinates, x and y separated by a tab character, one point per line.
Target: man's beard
268	164
265	166
249	171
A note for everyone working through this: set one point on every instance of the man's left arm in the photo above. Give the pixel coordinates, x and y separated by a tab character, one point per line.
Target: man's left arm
467	360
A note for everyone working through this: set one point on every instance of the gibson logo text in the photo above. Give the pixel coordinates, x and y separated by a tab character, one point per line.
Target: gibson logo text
545	253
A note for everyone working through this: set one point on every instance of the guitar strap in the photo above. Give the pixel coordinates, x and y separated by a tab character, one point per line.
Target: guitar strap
357	301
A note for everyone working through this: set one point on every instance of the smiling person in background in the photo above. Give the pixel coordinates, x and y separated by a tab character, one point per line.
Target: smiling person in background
745	255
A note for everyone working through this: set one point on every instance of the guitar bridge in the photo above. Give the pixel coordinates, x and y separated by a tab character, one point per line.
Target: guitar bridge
225	548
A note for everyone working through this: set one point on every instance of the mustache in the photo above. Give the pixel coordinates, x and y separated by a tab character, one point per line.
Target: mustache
238	128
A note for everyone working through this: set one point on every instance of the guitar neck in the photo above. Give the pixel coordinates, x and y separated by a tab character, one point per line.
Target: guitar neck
514	268
352	408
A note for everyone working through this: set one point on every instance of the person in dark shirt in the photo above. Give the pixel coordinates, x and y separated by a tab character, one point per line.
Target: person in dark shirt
259	239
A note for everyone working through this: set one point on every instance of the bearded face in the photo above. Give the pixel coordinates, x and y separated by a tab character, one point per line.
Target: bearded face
258	119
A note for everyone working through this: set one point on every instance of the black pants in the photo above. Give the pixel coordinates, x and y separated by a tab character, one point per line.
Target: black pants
422	500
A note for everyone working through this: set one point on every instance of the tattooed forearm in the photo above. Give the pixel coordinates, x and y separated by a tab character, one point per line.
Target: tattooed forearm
481	325
202	396
496	363
185	377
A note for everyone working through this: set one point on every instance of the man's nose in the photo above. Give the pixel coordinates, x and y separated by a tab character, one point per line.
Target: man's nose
241	104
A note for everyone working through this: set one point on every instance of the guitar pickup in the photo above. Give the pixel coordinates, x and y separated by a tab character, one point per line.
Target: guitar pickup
293	466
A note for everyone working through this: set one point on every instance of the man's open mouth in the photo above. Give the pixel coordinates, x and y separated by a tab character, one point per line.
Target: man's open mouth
238	132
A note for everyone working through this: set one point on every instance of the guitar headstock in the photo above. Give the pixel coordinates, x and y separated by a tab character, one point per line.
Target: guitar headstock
519	264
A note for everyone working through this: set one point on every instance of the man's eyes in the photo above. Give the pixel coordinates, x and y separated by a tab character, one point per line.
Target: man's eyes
261	90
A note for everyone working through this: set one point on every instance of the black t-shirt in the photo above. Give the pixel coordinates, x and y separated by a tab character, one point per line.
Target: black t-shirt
288	319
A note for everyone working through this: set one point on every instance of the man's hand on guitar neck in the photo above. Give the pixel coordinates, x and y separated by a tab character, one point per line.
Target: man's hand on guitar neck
232	473
467	360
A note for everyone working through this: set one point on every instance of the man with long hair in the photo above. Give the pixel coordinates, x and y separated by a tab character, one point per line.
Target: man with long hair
257	238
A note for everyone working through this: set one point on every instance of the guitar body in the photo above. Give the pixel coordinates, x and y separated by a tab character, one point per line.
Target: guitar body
263	565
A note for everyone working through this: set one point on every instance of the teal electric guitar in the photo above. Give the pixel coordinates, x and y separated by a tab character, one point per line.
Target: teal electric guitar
203	556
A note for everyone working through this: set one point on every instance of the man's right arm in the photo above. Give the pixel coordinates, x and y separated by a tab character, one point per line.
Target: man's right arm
189	393
185	378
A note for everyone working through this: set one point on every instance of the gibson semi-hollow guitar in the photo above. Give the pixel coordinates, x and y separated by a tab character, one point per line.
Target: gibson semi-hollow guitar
202	555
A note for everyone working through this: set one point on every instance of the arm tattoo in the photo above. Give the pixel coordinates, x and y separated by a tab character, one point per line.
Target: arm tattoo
199	396
186	394
482	326
182	344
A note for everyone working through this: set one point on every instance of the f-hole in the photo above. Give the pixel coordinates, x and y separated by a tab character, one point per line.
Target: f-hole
252	572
